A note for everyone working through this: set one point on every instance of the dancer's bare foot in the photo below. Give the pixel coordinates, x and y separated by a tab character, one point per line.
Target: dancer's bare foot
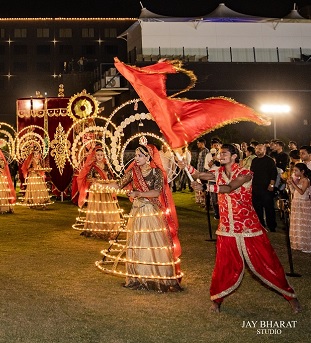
215	307
295	304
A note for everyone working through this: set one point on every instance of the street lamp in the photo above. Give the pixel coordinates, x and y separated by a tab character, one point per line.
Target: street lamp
275	109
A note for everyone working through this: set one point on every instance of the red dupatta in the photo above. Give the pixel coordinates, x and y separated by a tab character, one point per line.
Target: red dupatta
83	183
9	178
27	163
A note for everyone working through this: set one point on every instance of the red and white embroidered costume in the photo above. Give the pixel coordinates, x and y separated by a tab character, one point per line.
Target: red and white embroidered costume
241	238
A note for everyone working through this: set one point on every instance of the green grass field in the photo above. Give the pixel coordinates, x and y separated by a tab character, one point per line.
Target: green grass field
51	291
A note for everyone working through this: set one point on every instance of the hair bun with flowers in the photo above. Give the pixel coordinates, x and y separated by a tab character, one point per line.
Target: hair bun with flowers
148	149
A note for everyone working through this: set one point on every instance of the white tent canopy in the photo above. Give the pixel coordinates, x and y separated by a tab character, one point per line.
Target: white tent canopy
222	13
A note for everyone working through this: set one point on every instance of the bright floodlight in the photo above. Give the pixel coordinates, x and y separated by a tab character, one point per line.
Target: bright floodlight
270	108
275	109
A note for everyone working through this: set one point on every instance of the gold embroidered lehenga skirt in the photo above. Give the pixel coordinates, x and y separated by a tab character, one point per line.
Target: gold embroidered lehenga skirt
5	195
102	215
36	193
147	252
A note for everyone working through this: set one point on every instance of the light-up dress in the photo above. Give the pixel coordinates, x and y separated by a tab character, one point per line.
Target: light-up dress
300	221
36	189
7	191
99	212
152	249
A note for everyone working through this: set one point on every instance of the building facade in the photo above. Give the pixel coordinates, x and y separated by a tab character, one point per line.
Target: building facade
38	54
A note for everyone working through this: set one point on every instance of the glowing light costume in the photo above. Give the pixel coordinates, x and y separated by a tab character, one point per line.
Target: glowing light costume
7	191
241	238
102	214
37	192
152	248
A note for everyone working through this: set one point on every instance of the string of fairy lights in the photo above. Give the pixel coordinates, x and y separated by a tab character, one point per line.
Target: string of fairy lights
102	212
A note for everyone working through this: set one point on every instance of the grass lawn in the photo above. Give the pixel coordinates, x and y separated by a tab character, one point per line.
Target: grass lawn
51	291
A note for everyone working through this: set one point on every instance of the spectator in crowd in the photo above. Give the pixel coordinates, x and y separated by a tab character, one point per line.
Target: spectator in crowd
168	162
212	157
253	143
265	174
183	177
201	142
81	63
212	163
305	155
294	156
244	146
300	214
292	145
268	149
280	184
250	155
273	151
239	150
281	157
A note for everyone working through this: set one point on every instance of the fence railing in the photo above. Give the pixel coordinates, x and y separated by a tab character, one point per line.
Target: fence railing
223	54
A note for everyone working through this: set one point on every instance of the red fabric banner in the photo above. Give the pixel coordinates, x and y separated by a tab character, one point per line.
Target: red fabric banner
57	105
182	120
35	111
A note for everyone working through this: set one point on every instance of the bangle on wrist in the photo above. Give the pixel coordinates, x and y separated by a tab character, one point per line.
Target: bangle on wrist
191	169
213	188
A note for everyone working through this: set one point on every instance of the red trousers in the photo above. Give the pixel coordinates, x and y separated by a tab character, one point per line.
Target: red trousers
259	256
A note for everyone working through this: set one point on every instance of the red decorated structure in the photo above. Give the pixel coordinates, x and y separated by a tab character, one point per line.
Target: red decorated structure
50	114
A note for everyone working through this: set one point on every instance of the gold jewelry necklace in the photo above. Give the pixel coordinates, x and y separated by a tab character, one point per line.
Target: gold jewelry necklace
145	170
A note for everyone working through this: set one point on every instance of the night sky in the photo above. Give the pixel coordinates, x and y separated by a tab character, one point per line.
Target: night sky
132	8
